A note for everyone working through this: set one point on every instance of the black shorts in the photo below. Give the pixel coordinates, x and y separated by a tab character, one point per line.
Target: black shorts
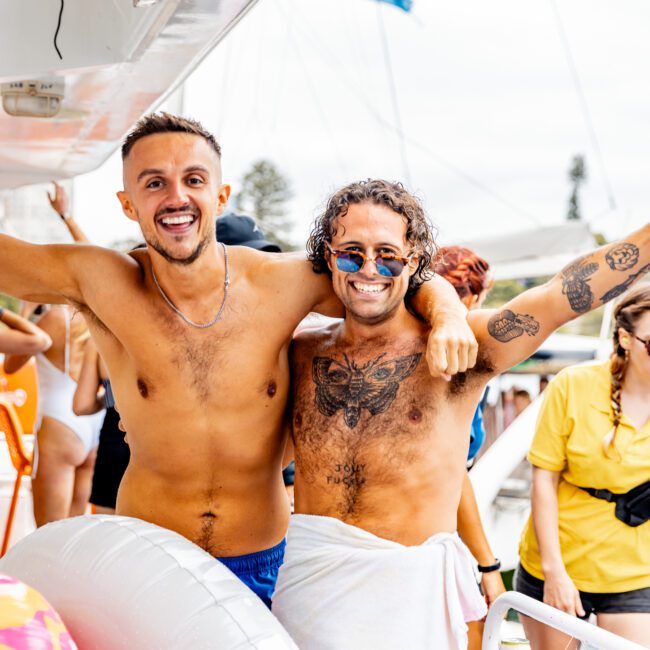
636	601
113	456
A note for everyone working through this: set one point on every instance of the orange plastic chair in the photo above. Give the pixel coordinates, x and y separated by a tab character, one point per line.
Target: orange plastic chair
21	389
21	459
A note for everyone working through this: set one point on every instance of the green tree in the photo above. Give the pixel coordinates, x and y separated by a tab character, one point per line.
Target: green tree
264	195
577	176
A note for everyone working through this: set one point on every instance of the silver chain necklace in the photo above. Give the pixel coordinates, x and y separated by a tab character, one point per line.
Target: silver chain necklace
216	319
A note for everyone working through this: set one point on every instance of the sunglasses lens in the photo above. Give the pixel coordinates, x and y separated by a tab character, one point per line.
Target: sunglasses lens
348	262
389	266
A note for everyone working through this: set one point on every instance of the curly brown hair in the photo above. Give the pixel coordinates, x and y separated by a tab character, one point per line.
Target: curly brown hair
628	311
167	123
419	230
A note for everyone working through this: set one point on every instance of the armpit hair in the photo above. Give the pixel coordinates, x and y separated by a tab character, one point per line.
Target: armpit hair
90	316
460	381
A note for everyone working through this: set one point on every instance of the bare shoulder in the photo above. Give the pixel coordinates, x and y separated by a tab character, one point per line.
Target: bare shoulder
93	263
314	337
286	276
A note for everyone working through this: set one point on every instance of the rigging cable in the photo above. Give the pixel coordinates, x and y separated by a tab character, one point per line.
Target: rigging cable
58	27
393	95
583	104
330	57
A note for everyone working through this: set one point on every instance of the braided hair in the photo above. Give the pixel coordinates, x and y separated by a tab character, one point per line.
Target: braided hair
464	269
626	314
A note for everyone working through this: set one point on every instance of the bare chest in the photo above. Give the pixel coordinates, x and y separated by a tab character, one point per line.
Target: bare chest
154	355
387	406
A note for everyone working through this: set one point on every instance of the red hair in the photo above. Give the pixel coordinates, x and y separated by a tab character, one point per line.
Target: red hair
468	272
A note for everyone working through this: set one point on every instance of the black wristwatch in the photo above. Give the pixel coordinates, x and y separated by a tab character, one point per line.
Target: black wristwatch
491	567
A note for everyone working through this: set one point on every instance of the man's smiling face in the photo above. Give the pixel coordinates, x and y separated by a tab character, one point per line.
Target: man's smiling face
367	295
173	189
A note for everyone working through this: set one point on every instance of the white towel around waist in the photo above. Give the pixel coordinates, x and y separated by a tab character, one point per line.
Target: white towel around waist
343	588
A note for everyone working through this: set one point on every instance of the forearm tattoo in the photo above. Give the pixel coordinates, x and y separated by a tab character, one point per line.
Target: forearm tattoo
372	386
619	289
575	287
622	257
506	326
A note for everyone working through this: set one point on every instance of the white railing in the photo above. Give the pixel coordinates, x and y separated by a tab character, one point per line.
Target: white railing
552	617
502	457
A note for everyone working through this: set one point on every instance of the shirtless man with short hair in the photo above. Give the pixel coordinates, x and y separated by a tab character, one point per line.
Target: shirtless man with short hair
195	337
372	557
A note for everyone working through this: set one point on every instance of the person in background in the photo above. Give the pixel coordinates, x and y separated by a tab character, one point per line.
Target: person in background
240	230
521	400
20	336
471	277
582	551
64	453
543	383
94	394
65	444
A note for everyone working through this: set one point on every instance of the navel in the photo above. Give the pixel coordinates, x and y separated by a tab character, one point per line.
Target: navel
415	415
142	389
209	515
271	389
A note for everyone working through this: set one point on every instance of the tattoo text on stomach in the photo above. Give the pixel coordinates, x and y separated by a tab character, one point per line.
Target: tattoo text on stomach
349	474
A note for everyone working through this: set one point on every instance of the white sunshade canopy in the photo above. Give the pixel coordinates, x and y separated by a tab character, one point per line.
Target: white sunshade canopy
534	253
118	62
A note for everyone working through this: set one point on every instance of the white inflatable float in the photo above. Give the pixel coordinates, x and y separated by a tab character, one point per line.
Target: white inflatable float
121	583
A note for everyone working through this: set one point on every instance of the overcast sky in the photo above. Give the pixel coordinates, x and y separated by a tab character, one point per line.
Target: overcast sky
489	108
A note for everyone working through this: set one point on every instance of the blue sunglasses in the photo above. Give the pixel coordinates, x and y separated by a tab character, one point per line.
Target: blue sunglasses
388	264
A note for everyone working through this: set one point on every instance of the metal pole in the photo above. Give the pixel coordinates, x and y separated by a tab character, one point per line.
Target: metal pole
552	617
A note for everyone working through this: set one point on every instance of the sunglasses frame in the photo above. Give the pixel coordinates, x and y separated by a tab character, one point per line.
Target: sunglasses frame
405	260
645	342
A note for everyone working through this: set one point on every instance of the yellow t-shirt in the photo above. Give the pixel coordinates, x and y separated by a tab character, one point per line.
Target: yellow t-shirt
600	552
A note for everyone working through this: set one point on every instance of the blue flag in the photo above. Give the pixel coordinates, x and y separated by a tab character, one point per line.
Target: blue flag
406	5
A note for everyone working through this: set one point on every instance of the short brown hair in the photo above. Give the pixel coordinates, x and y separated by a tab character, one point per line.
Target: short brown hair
166	123
419	231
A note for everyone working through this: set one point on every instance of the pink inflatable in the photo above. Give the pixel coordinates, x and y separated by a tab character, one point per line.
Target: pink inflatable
28	621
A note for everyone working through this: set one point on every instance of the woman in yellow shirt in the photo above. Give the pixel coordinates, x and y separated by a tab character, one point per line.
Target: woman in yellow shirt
593	432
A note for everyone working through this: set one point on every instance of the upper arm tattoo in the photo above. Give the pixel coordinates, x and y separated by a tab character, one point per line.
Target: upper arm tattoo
619	289
347	386
622	257
506	325
575	287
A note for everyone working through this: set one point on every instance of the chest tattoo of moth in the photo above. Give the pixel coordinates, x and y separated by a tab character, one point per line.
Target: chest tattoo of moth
348	386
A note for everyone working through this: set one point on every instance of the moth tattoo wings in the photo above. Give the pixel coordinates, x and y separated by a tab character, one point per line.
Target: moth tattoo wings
348	386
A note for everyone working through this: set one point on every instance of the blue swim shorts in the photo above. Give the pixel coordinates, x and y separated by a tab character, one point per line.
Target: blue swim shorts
258	571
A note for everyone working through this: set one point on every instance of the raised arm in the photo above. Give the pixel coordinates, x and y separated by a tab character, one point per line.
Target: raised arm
21	338
511	334
61	205
42	274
